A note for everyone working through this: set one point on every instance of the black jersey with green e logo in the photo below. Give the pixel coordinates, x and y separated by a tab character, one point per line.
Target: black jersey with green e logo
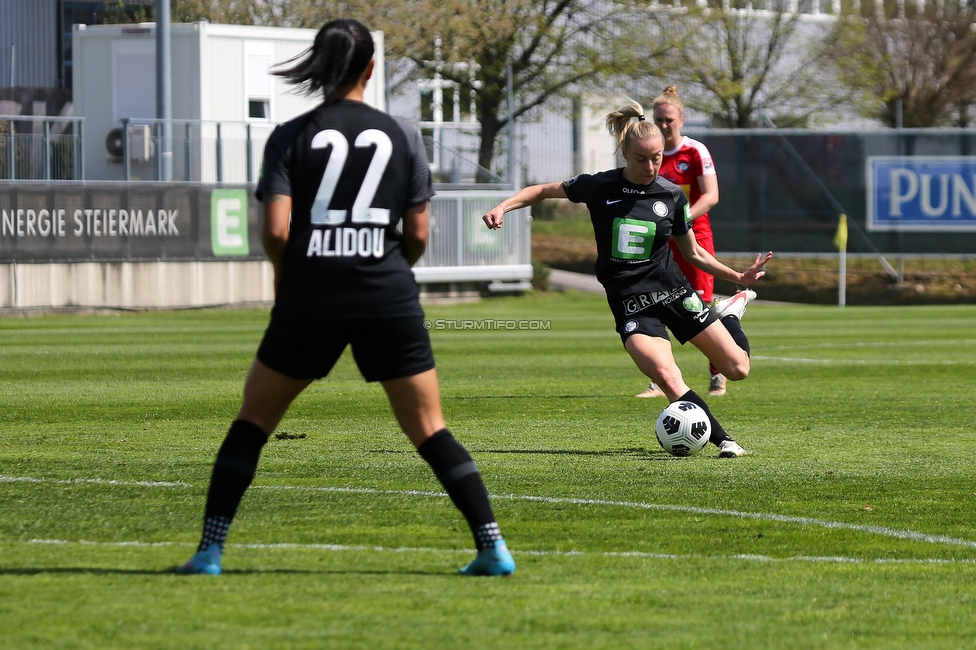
351	171
632	224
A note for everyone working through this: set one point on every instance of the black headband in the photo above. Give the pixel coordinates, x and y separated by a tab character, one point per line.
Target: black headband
640	118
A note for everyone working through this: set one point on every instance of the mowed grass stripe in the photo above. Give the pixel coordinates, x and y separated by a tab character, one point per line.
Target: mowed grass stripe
143	399
535	553
787	519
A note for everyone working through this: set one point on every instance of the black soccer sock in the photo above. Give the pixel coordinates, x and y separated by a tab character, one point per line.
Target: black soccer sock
233	471
456	471
734	327
718	434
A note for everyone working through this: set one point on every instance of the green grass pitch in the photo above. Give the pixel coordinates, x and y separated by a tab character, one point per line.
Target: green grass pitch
849	524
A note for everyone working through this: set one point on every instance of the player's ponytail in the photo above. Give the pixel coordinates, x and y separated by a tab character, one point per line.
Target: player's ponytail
670	96
338	57
621	125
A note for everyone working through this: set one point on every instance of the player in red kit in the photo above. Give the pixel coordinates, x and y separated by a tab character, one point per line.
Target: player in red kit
688	164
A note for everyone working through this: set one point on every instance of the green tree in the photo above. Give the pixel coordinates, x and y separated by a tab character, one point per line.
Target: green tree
237	12
923	56
735	60
233	12
554	47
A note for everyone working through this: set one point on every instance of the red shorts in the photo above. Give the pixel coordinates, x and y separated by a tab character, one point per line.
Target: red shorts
703	283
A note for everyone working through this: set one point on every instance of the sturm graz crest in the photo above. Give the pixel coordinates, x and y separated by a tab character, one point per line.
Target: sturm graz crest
693	303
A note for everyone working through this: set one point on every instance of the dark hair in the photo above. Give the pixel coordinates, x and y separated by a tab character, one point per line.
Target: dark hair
341	51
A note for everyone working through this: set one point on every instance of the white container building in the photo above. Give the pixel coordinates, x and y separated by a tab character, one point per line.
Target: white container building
225	99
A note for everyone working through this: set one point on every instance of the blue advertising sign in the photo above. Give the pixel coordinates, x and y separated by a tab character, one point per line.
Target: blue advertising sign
921	193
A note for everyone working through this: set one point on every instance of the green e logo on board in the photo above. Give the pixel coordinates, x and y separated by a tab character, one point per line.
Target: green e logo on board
228	222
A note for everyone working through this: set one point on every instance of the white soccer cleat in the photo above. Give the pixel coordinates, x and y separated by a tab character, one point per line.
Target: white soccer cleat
735	305
730	449
652	390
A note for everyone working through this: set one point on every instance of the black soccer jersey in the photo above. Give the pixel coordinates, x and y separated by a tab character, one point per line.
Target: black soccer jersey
632	224
351	171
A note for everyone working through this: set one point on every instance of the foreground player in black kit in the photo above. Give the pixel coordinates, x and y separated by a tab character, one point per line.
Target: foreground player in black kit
345	191
634	213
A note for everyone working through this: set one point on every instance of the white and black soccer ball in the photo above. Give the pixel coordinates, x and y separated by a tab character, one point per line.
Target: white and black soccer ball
683	429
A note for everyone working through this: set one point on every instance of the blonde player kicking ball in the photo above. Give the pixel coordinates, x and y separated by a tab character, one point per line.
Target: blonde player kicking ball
634	213
339	173
688	164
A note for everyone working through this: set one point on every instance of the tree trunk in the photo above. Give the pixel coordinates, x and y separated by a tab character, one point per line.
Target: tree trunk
490	127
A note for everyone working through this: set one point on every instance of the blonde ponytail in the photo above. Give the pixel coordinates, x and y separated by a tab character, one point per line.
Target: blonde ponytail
621	126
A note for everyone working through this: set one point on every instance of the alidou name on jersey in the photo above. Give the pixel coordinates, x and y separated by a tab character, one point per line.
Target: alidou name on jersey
347	242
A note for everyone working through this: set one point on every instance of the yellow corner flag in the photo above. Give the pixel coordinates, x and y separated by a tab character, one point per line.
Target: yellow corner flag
840	238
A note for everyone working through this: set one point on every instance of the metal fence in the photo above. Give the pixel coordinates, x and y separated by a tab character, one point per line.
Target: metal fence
206	151
41	148
462	249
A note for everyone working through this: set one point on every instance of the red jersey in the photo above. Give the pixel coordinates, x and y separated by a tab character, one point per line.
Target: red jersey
682	166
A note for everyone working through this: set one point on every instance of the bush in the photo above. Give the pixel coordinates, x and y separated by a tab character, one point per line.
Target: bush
540	276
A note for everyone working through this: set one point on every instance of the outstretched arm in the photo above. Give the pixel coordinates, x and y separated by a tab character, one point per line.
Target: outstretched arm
494	218
704	260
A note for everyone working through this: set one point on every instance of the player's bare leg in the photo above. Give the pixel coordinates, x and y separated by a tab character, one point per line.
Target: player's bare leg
655	358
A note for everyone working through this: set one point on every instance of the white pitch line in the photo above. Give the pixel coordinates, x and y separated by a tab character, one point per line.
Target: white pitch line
760	357
863	362
359	548
97	481
762	516
953	343
805	521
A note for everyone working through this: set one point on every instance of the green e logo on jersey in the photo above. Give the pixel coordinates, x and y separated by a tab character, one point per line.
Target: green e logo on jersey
228	222
632	238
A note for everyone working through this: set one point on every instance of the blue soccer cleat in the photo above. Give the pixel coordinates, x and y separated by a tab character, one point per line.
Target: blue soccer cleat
206	562
495	561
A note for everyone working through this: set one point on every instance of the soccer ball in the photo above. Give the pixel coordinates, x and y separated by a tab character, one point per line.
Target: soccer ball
683	429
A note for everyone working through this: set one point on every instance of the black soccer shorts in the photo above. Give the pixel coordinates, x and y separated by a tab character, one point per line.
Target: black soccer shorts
681	310
384	348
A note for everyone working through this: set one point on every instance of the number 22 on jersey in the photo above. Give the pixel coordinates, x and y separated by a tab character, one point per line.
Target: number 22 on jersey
362	212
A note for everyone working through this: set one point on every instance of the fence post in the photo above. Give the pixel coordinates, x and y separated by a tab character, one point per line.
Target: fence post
250	162
11	156
187	152
47	150
220	157
125	148
157	128
460	230
80	148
